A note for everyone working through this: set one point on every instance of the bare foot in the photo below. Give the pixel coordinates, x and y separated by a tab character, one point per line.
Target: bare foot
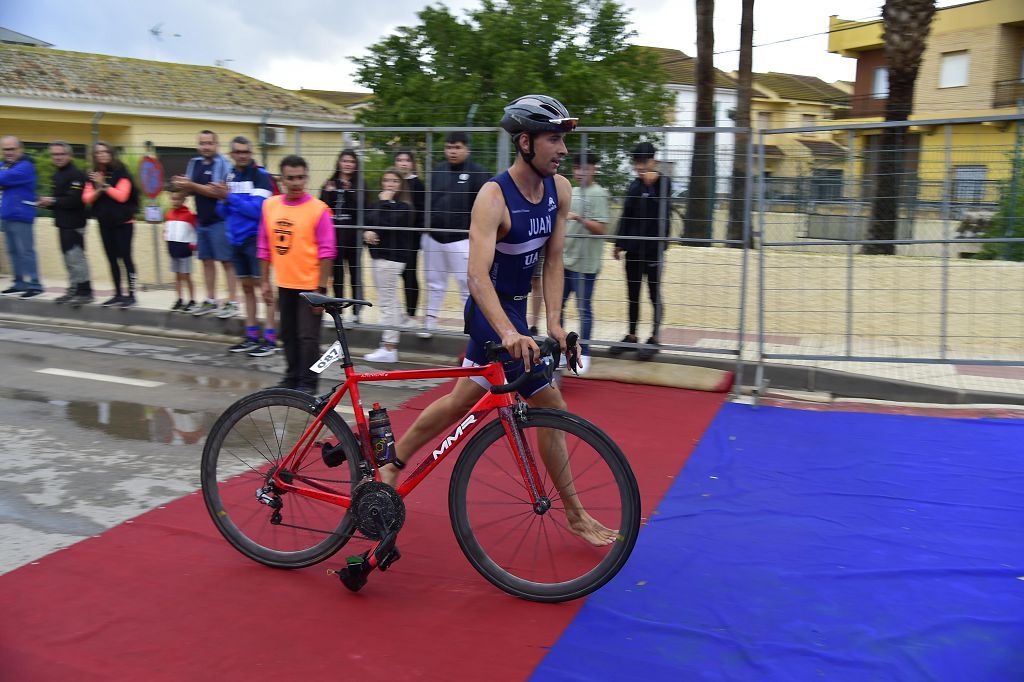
590	529
389	474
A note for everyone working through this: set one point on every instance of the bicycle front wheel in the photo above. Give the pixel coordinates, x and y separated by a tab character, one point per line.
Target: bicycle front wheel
548	552
245	448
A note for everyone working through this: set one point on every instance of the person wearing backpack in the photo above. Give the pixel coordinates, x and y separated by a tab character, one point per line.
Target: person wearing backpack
114	199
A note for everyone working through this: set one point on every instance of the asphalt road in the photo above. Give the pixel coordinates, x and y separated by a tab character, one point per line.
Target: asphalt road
98	427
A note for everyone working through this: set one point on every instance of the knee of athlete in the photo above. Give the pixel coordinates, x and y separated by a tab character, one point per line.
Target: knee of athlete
549	397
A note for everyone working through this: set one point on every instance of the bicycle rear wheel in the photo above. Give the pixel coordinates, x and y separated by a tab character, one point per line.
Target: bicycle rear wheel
535	553
246	445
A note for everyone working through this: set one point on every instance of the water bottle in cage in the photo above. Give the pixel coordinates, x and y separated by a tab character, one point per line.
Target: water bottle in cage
382	439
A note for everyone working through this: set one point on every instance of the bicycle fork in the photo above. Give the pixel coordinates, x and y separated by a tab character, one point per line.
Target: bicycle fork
527	463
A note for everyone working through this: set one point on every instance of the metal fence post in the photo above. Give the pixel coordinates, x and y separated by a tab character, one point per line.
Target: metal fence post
748	193
947	185
501	163
428	170
851	235
759	235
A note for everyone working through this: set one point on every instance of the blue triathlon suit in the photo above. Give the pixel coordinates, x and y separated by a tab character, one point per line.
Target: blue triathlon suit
515	257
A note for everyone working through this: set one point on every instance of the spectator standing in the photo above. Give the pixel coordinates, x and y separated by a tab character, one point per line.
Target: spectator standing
297	240
588	215
204	177
341	193
405	162
180	235
248	186
645	213
114	198
453	188
70	218
17	213
393	209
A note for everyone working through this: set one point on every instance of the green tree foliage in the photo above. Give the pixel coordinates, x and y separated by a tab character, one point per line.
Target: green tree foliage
437	72
1007	223
45	168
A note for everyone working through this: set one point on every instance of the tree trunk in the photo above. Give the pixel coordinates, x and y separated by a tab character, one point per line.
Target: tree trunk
700	191
905	30
740	171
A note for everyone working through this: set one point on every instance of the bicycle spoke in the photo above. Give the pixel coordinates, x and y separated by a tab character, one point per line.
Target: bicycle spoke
539	553
270	525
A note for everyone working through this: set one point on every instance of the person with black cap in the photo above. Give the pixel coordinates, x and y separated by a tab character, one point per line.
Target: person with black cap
645	213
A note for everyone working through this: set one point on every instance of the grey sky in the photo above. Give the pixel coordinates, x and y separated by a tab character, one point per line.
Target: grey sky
306	43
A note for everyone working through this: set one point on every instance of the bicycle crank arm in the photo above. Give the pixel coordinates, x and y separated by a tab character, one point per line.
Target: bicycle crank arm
358	567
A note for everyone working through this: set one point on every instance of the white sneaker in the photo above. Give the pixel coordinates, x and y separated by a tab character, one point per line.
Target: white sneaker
584	364
407	322
229	310
382	354
429	325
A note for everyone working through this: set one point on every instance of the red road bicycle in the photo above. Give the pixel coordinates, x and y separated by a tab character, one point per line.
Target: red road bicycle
288	482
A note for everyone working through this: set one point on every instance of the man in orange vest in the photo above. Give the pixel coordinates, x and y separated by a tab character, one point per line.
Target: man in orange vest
296	238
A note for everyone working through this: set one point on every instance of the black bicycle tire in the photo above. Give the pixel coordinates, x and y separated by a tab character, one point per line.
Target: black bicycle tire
236	537
546	592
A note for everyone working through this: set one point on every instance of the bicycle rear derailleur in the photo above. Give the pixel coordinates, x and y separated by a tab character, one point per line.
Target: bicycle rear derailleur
379	514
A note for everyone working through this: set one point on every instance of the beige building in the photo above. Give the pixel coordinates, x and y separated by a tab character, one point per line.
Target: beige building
806	163
135	104
142	106
973	65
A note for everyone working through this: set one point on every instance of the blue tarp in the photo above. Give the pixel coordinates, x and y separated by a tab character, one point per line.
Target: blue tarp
802	545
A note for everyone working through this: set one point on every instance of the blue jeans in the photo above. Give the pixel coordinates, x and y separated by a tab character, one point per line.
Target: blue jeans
23	254
582	284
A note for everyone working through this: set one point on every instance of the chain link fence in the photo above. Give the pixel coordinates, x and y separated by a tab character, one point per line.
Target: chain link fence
794	284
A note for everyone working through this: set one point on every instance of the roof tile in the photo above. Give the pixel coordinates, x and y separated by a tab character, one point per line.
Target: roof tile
799	87
57	74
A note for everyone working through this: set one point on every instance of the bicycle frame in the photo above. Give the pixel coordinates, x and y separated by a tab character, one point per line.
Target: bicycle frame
504	403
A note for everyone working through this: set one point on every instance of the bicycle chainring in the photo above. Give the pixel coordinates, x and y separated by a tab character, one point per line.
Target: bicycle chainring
378	508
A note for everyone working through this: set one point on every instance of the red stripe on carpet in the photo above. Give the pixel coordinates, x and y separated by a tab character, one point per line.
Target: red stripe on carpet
165	597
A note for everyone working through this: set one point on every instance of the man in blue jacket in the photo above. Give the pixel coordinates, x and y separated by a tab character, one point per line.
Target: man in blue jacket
17	212
241	206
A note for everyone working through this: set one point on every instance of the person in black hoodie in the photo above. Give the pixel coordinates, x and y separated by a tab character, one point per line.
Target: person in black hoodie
393	209
341	193
454	185
405	162
70	217
114	199
646	213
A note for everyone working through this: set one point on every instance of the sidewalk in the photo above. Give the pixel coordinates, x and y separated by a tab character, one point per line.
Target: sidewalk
961	384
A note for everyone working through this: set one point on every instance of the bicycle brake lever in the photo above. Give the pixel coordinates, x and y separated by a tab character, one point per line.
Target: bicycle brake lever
572	352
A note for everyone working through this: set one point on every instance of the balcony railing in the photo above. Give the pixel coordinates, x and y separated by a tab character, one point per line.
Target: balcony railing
1009	93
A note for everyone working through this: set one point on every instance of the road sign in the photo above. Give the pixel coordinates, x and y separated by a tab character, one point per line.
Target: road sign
151	176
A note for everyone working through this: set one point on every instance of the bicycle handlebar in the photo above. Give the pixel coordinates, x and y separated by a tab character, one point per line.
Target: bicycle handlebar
550	353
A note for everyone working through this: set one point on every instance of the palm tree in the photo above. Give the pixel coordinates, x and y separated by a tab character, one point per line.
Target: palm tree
699	202
737	204
906	24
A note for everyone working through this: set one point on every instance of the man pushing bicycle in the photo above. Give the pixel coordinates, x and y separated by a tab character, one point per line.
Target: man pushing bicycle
517	216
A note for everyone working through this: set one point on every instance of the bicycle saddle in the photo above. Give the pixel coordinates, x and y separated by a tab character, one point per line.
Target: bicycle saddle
329	302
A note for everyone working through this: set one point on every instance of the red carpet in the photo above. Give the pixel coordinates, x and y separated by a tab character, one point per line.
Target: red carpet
166	598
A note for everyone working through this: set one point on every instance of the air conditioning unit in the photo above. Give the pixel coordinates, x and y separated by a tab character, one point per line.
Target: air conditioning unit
274	136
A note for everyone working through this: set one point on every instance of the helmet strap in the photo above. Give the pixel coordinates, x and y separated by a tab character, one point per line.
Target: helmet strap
528	155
